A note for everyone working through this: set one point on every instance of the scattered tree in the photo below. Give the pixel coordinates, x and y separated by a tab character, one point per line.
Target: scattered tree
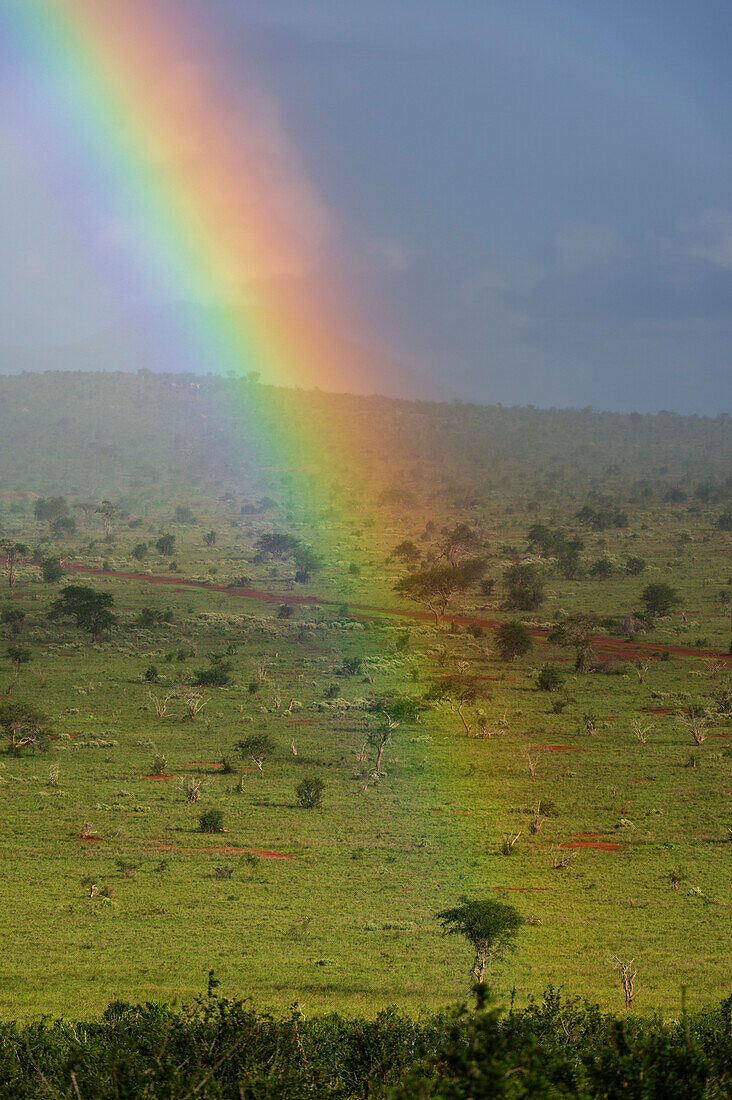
90	609
23	726
549	678
51	570
165	545
525	587
436	587
489	926
12	552
51	510
107	511
512	640
259	748
18	655
627	978
309	793
659	598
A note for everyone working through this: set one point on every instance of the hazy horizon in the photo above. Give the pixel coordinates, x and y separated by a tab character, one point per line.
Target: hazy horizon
517	204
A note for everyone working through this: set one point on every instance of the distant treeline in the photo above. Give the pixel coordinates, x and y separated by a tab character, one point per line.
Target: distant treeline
98	434
219	1049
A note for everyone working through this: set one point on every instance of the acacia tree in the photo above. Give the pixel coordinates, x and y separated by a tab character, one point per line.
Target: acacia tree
277	544
258	748
659	598
165	545
90	609
54	511
88	508
461	541
12	552
436	587
392	710
17	655
488	925
512	640
525	587
23	726
107	511
459	690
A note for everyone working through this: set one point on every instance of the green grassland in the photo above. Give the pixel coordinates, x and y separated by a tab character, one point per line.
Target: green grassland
349	921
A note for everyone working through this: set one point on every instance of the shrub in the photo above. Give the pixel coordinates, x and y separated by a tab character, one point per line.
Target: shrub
602	568
512	640
525	587
309	793
659	598
634	566
549	678
211	821
216	676
51	570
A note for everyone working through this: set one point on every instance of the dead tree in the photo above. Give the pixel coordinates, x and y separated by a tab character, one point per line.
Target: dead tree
627	977
641	670
696	722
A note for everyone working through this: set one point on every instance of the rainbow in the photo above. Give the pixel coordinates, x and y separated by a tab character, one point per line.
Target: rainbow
220	207
217	210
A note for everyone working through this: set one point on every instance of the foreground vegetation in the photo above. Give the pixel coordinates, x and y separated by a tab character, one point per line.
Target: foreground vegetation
218	1048
250	742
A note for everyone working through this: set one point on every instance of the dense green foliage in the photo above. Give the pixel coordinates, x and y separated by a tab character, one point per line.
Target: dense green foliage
225	1050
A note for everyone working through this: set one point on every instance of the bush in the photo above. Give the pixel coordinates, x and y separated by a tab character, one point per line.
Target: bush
659	598
310	793
512	640
549	678
525	587
602	568
212	677
51	570
211	821
634	566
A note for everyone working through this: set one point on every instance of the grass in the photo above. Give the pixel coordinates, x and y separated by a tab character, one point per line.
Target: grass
349	922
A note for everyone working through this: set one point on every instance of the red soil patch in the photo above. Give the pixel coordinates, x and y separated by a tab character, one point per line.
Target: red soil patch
725	736
559	748
665	710
586	836
615	647
602	845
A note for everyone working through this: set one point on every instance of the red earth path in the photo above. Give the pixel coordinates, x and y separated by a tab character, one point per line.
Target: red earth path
614	647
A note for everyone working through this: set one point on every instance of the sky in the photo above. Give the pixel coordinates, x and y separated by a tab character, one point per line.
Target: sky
521	201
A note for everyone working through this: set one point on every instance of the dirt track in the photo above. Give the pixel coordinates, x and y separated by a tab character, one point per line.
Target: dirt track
603	644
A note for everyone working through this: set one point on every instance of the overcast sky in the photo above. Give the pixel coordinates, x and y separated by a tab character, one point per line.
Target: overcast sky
529	201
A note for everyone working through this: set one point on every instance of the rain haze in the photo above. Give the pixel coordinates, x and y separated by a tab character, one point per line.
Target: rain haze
525	202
